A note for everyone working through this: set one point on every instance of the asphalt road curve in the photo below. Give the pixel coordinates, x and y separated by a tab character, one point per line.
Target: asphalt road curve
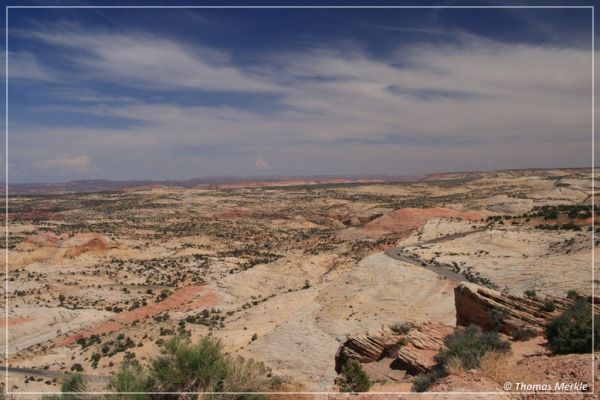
396	253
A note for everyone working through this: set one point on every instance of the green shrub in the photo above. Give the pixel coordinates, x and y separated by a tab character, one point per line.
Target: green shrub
203	367
76	367
523	334
187	367
530	294
353	378
183	367
401	329
422	382
549	306
572	294
131	377
497	318
469	345
72	388
571	332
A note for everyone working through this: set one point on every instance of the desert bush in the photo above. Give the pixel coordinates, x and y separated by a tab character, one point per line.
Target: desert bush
184	366
469	345
497	318
74	383
572	294
204	367
501	369
422	382
131	377
454	365
246	376
530	294
523	334
401	328
549	306
72	388
571	332
353	378
76	367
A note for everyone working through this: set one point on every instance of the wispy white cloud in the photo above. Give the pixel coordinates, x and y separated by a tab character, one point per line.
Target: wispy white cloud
24	65
145	60
454	105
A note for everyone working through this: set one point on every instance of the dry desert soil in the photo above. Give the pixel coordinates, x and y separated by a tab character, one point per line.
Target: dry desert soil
287	273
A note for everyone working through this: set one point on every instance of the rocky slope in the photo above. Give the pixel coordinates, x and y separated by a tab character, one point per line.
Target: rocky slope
491	309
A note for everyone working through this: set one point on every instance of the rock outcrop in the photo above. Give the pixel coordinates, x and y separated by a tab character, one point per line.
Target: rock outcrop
423	342
84	243
412	351
68	246
407	219
493	310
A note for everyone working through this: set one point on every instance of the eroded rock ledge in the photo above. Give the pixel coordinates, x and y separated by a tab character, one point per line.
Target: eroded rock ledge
412	351
493	310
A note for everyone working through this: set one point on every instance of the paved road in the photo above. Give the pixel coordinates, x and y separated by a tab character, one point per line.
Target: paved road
51	374
441	269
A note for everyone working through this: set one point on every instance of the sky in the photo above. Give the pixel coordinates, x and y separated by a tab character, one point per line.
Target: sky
159	94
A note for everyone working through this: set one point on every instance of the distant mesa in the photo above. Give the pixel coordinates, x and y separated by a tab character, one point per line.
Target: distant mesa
233	182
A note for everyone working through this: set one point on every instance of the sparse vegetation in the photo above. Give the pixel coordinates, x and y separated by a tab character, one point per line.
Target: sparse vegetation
464	350
131	377
469	345
572	294
201	367
422	382
549	306
571	332
524	334
184	367
497	318
353	378
164	250
401	328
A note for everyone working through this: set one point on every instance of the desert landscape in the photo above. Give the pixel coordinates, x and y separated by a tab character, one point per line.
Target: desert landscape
302	275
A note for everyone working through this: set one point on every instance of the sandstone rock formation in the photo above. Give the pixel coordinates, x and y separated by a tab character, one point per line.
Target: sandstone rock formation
412	351
407	219
507	313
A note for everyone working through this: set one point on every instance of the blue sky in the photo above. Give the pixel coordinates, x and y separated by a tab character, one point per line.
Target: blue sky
176	94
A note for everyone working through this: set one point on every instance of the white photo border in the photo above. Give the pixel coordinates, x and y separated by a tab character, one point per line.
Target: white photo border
6	219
